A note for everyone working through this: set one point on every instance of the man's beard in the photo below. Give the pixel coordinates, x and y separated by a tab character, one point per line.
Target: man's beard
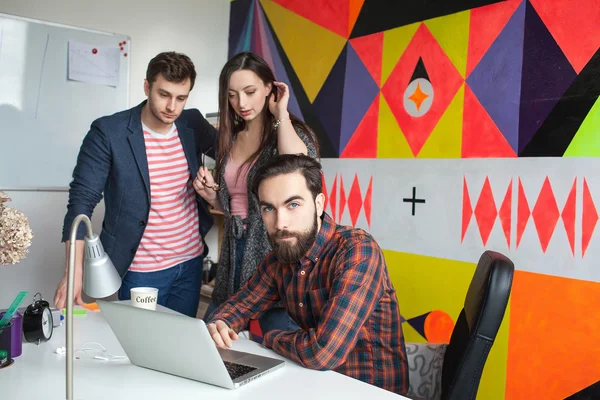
290	253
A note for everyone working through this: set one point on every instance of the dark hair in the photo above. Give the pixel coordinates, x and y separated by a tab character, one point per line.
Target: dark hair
230	123
175	67
289	163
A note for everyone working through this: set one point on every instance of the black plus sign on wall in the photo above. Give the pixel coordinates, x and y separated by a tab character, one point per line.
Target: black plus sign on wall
413	200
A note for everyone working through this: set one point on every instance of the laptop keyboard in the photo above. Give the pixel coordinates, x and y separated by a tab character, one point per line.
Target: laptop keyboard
237	370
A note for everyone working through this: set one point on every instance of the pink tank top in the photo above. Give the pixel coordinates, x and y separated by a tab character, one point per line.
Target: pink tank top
238	187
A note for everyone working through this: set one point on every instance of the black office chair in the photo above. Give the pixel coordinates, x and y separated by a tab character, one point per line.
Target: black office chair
453	371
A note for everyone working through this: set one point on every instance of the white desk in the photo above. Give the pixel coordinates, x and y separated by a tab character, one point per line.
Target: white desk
39	373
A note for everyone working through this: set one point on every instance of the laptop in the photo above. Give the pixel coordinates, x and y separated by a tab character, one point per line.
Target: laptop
179	345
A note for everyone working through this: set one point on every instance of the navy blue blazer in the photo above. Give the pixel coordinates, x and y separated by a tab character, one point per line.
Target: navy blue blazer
112	161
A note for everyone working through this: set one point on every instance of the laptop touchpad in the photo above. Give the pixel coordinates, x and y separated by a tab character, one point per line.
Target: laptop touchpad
230	355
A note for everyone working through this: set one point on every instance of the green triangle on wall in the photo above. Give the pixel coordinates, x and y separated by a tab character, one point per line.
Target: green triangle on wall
586	142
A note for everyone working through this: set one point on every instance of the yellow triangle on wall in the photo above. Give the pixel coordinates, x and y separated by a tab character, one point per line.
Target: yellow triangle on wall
445	140
391	142
395	41
311	49
452	33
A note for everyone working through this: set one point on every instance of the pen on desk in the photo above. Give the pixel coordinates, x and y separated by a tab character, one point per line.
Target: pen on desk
12	309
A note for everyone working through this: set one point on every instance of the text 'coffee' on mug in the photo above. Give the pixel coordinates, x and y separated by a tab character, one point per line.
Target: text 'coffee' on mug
144	297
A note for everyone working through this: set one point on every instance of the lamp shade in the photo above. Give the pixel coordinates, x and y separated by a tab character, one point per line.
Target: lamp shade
100	278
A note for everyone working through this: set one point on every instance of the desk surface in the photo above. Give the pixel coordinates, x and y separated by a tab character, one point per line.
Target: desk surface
40	373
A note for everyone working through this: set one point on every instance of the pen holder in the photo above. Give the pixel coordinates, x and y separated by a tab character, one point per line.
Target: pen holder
5	345
16	334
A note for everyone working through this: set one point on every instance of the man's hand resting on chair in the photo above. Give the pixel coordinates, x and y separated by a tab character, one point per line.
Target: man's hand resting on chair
221	334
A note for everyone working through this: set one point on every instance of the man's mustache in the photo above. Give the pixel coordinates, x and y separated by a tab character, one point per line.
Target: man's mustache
283	234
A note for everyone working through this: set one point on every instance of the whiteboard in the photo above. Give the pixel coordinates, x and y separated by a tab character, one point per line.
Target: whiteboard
44	116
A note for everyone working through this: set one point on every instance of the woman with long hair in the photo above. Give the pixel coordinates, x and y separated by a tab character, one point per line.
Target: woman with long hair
254	125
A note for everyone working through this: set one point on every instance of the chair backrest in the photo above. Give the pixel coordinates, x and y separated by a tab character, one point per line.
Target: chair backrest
477	326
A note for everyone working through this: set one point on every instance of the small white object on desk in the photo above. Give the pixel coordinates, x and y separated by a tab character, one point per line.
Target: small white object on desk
144	297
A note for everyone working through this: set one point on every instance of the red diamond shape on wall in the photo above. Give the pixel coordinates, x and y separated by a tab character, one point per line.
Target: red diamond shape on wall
333	197
342	199
505	213
443	76
568	216
354	200
486	211
467	210
589	218
523	212
367	202
324	184
545	214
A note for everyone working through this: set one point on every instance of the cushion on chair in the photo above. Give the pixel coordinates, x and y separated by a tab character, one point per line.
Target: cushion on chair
425	361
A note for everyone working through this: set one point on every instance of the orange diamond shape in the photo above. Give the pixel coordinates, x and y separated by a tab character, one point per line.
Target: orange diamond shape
418	96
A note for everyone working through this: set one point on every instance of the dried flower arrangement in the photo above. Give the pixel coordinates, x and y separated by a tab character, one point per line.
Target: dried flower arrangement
15	233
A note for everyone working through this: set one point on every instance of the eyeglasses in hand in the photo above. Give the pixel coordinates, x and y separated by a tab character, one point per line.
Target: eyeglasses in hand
216	187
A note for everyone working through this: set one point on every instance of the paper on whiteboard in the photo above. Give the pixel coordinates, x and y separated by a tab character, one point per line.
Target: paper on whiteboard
94	64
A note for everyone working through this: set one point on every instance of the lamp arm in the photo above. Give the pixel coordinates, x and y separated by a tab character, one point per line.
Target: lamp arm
70	283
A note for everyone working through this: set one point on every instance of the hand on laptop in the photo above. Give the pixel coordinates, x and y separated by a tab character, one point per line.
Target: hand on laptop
221	334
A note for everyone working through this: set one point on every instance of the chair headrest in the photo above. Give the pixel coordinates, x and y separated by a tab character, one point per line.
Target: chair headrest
488	293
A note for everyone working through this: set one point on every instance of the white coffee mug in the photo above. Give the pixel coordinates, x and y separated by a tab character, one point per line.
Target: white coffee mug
144	297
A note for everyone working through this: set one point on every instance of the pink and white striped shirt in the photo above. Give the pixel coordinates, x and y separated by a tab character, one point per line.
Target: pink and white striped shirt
172	234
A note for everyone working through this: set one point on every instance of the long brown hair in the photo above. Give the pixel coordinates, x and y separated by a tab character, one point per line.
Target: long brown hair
230	123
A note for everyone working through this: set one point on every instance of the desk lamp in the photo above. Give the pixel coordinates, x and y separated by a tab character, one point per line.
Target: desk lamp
100	279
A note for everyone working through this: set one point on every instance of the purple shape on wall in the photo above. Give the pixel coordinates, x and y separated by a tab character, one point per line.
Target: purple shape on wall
418	323
278	68
243	43
247	35
238	16
328	103
496	81
265	52
255	43
359	91
547	74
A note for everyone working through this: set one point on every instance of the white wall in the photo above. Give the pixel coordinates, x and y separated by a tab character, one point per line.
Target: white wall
198	28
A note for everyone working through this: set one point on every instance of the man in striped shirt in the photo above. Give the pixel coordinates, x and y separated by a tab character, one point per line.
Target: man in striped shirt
333	280
143	162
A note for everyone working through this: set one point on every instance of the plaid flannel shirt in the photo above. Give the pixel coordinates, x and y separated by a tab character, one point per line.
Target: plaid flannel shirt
341	296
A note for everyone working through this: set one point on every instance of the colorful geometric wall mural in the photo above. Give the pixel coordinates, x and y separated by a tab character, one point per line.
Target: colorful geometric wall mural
512	78
452	127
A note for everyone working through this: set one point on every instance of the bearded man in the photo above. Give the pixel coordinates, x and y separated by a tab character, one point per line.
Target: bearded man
333	281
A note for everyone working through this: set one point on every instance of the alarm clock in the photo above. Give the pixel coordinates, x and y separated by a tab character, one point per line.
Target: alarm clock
37	321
